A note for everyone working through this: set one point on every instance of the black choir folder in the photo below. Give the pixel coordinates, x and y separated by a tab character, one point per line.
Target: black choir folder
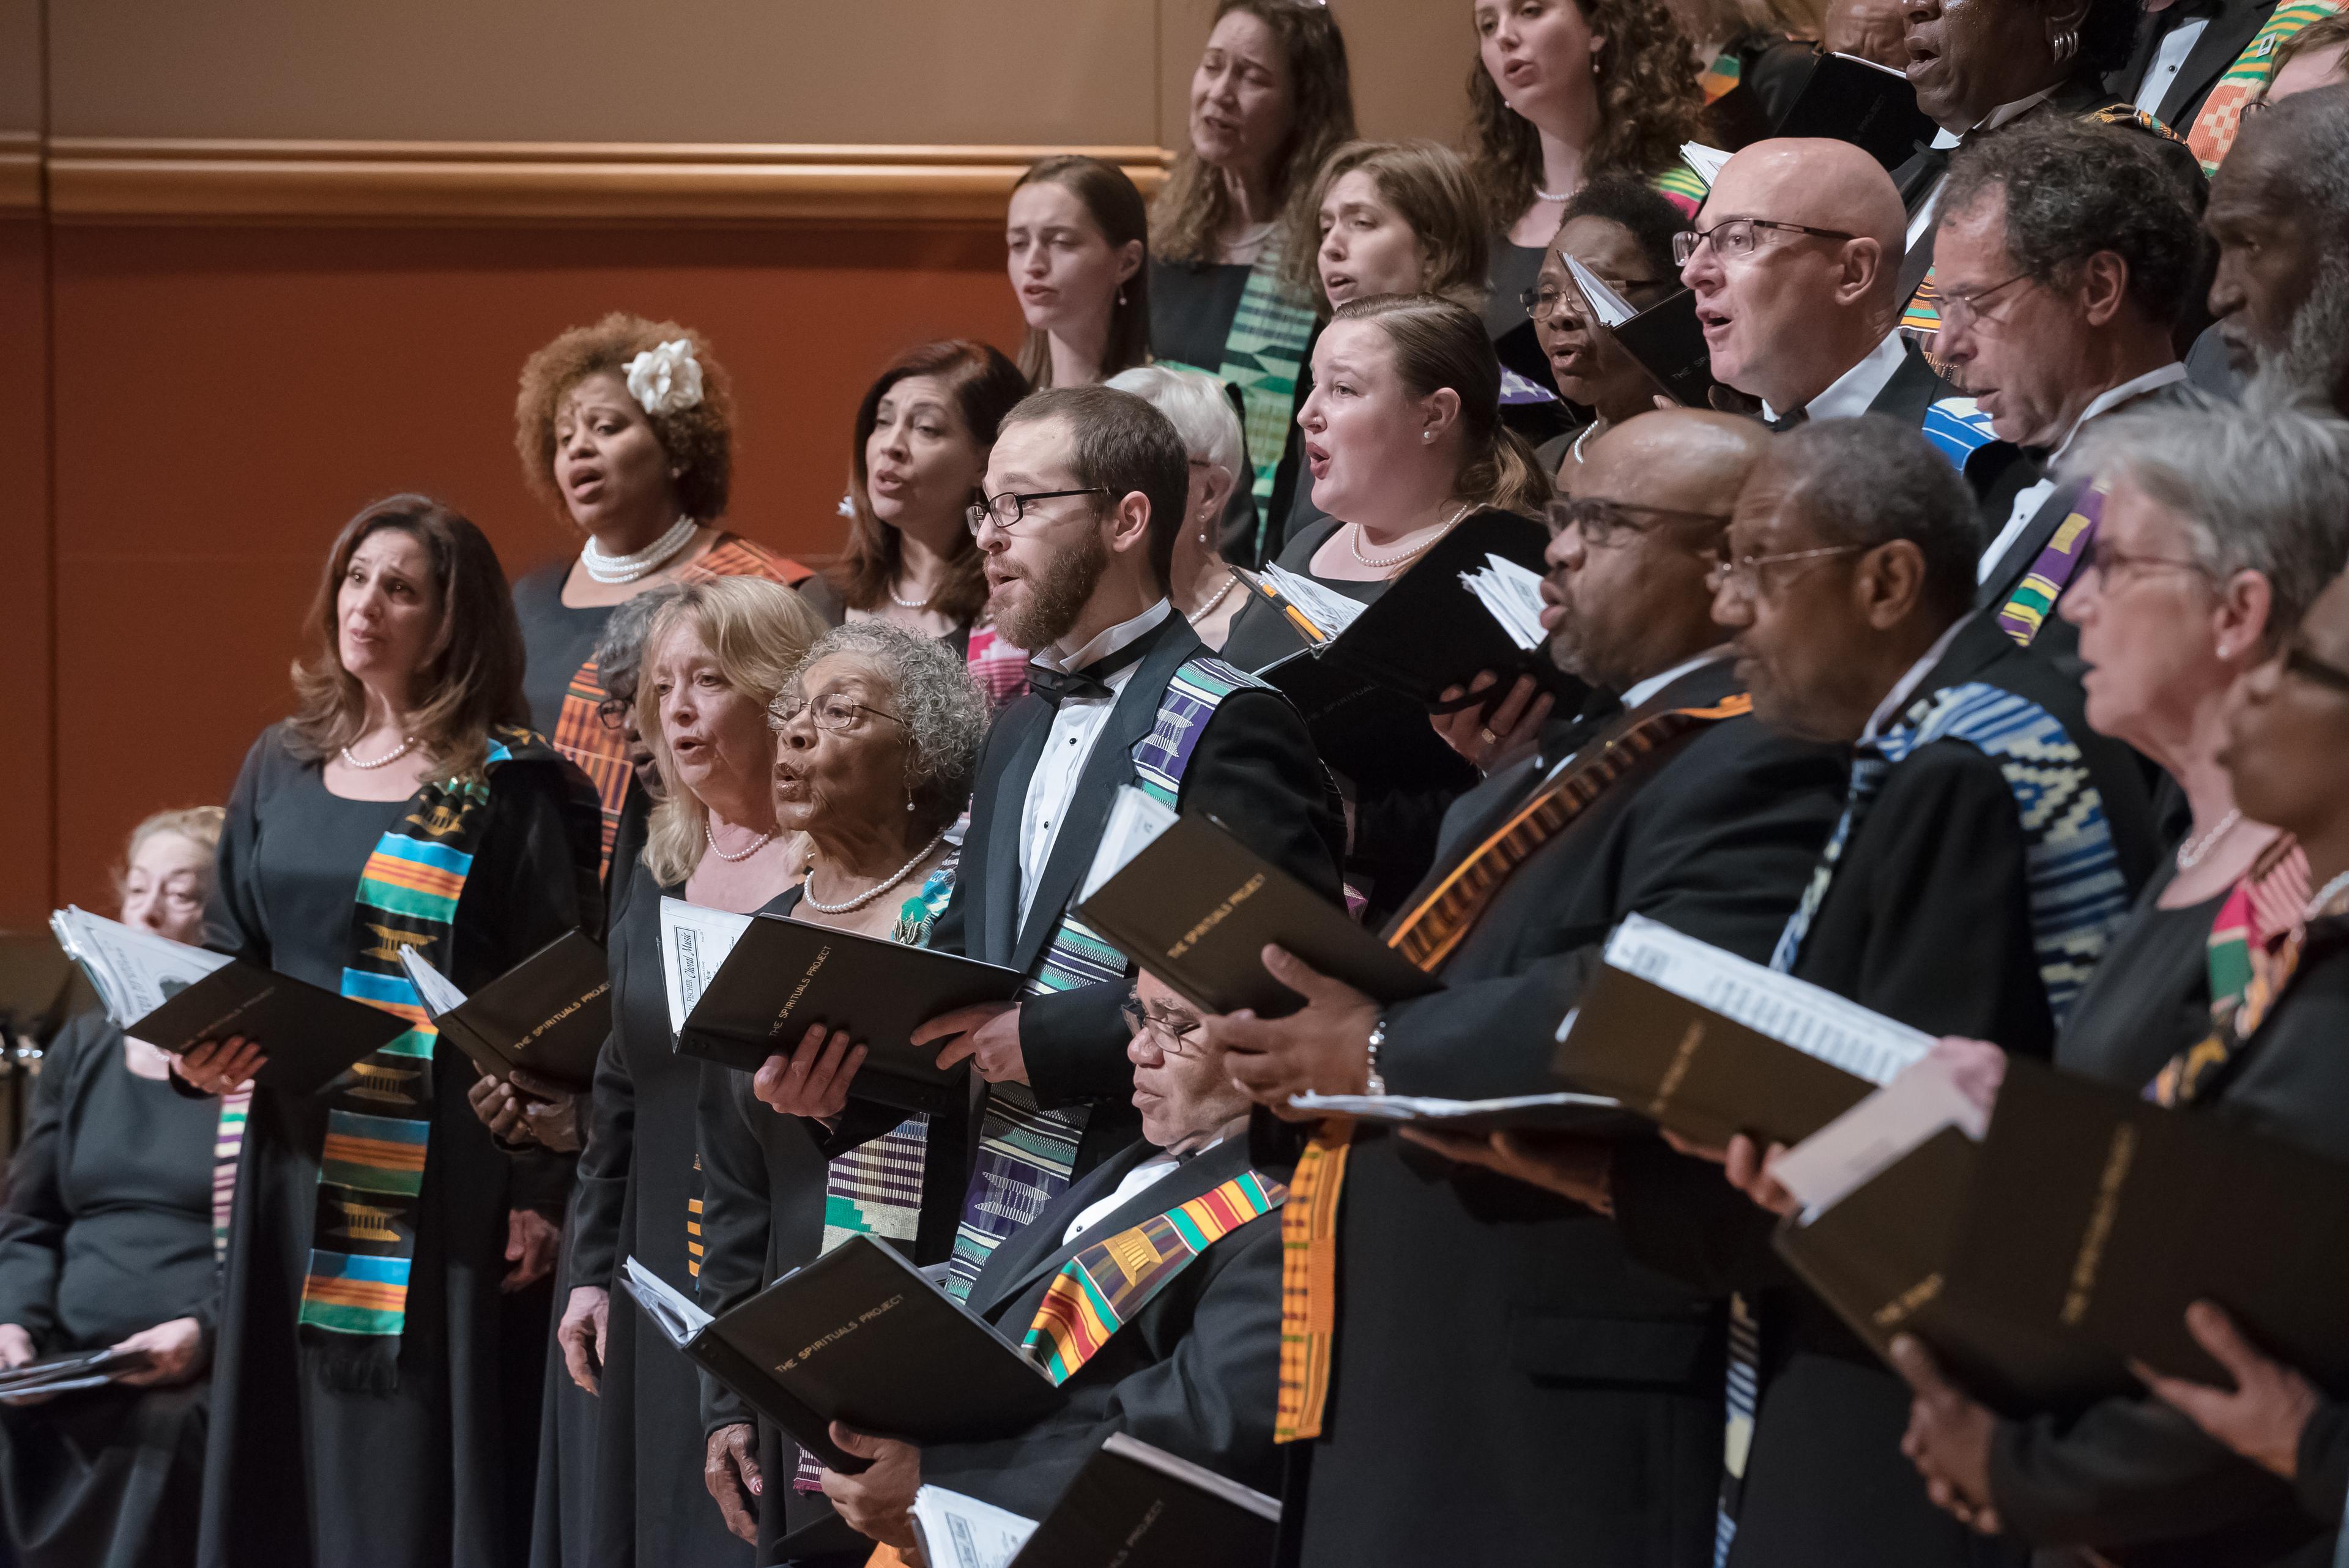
783	975
863	1337
71	1372
1428	631
1130	1506
1710	1044
548	1015
175	997
1872	107
1195	907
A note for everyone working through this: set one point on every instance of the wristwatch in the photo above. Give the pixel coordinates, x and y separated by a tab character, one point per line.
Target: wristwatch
1377	1084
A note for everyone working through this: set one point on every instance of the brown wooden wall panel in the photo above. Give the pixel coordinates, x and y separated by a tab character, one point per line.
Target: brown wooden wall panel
26	691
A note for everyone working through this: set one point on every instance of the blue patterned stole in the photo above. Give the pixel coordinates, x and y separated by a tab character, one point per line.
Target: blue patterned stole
1026	1154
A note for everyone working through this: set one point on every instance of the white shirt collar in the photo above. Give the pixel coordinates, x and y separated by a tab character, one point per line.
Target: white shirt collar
2004	112
2111	398
1124	634
1639	691
1906	687
1849	395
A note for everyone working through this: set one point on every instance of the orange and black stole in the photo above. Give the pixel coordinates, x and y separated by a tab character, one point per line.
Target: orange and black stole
1427	934
602	753
353	1302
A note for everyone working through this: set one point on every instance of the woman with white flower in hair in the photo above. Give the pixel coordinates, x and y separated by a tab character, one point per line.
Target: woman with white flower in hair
625	429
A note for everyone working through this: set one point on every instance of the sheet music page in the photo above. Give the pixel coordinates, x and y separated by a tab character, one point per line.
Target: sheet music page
1136	818
133	971
694	942
436	990
1612	308
959	1532
1708	162
1330	611
1857	1147
1792	1011
1413	1107
679	1315
1512	596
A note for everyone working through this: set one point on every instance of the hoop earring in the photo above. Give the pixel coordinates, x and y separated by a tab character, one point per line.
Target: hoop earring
2065	45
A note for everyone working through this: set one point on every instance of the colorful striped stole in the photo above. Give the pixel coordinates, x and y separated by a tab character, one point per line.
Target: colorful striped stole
228	1146
2221	118
2034	599
1264	356
2253	948
1724	73
1682	185
379	1114
1097	1291
602	753
1026	1154
1427	935
1958	429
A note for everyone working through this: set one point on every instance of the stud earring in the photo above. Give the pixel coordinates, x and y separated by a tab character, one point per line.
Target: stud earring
1427	435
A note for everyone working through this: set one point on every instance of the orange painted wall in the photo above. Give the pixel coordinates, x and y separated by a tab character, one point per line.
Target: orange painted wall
26	693
226	397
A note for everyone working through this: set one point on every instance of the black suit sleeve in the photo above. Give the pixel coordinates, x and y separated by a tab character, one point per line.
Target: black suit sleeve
604	1169
2322	1480
1254	769
1207	1397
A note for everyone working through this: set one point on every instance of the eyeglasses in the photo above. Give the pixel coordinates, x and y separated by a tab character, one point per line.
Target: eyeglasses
1601	522
2112	564
1734	237
1743	574
1960	311
2298	661
831	711
1010	508
1546	301
1177	1035
612	712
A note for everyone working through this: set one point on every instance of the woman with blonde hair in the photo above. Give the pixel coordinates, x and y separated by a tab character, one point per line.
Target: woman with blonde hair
107	1239
713	659
626	430
1403	441
1271	98
364	1407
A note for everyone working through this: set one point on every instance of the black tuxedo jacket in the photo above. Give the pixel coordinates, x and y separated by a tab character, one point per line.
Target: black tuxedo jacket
2228	34
1508	1386
1196	1371
1928	922
1253	767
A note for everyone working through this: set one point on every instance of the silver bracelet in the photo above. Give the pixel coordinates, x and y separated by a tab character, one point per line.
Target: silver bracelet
1377	1084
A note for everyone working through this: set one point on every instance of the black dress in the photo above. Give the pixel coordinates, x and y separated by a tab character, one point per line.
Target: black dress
639	1184
107	1231
556	640
436	1471
1192	306
2150	996
1399	794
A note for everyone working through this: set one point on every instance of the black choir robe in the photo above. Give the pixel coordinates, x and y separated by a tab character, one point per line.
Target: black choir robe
2231	27
1928	922
1509	1386
1253	767
1194	1372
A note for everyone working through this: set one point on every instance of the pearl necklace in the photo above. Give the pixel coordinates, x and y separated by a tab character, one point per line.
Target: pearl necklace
2324	895
1583	437
2191	853
1552	195
906	603
616	569
807	888
1231	579
384	761
1354	543
760	843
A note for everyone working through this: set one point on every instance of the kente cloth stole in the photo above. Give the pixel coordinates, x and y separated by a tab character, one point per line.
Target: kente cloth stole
2213	132
1097	1291
2034	599
2078	898
601	754
1921	316
1726	72
2253	949
379	1112
1025	1153
1958	429
1000	669
1427	935
228	1144
1683	186
1264	356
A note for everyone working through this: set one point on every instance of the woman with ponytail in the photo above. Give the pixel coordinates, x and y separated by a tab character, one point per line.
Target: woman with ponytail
1402	440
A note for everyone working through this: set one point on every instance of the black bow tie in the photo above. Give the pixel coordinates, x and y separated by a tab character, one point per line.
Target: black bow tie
1057	686
1787	420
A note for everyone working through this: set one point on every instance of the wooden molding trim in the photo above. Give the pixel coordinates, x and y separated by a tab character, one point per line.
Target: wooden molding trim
94	180
20	173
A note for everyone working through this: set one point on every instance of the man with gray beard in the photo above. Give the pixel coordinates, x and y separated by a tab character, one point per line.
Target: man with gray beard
2280	211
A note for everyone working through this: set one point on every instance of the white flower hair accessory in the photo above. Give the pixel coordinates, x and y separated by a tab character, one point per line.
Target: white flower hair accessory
667	379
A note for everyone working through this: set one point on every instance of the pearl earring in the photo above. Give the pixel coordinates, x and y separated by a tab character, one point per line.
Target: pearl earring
1121	293
1427	435
909	806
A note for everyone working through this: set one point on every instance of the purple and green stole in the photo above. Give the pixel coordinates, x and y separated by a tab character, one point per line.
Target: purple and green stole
1100	1289
2033	600
1027	1154
379	1112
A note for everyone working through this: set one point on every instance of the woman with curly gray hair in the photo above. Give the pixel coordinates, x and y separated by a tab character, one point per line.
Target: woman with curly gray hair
877	739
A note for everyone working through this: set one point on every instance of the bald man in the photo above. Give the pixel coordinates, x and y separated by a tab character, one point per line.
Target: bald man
1508	1387
1795	270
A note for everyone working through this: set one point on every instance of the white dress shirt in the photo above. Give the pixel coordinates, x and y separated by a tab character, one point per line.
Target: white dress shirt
1849	394
1075	727
2168	61
1906	687
1142	1177
2028	501
1922	218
